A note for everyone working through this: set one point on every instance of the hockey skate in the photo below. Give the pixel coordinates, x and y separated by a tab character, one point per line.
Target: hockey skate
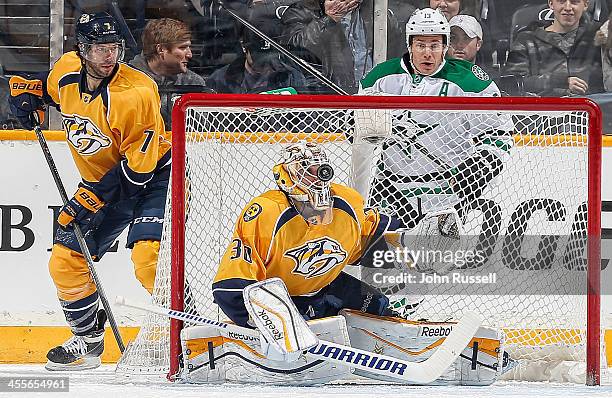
79	352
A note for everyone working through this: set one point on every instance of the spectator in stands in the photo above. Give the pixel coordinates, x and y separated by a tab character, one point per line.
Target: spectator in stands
402	10
559	59
166	50
260	68
466	42
337	35
313	32
465	38
450	8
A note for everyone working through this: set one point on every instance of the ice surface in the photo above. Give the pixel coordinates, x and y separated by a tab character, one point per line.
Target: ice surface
102	383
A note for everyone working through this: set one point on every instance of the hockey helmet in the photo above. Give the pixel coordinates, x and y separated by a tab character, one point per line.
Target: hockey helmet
98	28
427	22
304	174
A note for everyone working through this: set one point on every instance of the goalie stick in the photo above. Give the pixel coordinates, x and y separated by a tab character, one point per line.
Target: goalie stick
411	372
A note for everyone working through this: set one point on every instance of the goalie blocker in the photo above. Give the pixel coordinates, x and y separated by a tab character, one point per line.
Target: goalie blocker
212	354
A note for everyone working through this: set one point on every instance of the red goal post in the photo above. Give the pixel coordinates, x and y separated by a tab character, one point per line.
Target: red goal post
464	104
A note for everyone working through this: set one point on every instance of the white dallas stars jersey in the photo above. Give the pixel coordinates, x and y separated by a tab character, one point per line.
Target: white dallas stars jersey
451	137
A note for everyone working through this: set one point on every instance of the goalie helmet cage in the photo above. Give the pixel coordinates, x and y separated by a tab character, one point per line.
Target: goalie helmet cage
224	147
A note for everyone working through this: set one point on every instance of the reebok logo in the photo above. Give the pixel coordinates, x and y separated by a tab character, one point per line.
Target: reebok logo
263	315
243	337
366	302
436	331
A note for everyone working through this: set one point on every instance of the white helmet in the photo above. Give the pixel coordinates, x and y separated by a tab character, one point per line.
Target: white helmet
427	22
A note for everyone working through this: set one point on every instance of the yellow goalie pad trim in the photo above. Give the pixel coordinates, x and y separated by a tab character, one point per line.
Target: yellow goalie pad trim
488	346
200	346
542	337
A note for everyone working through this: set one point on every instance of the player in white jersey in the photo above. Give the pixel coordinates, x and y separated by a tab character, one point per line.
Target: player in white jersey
432	161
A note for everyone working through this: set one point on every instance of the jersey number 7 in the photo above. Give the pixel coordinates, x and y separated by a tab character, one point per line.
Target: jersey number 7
147	141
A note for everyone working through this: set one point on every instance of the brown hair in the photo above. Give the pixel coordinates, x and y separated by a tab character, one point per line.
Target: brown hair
165	32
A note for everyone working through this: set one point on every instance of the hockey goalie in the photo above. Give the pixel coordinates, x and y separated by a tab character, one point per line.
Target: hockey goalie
299	319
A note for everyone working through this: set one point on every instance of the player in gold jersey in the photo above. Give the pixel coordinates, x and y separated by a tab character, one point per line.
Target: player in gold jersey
305	233
111	115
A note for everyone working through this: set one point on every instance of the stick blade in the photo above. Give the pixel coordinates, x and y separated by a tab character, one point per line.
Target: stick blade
450	349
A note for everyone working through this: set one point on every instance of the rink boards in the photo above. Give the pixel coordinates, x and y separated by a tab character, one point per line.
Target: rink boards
30	317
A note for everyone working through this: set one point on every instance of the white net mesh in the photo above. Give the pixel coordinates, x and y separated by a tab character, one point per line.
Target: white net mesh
407	164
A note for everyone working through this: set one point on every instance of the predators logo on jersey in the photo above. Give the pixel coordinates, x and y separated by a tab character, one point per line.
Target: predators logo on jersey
252	212
317	257
84	135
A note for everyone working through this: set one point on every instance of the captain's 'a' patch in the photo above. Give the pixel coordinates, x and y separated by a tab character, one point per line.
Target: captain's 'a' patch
480	73
252	212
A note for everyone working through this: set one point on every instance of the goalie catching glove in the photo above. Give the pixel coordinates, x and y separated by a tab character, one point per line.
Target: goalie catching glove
25	99
83	204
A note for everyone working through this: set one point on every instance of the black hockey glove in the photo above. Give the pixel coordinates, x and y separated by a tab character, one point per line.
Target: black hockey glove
471	177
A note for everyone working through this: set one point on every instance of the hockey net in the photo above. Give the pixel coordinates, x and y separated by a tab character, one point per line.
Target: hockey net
224	148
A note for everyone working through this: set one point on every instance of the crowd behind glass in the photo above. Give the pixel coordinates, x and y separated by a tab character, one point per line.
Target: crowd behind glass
530	48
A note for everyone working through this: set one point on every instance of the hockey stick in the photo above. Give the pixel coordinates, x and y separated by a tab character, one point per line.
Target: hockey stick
79	235
412	372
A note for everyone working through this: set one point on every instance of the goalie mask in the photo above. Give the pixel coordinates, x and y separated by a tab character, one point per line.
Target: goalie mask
304	175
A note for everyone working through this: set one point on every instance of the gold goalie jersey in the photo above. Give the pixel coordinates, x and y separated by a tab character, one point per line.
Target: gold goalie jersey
272	240
120	121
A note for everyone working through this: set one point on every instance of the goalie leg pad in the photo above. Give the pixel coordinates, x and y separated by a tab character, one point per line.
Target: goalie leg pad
214	355
479	364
